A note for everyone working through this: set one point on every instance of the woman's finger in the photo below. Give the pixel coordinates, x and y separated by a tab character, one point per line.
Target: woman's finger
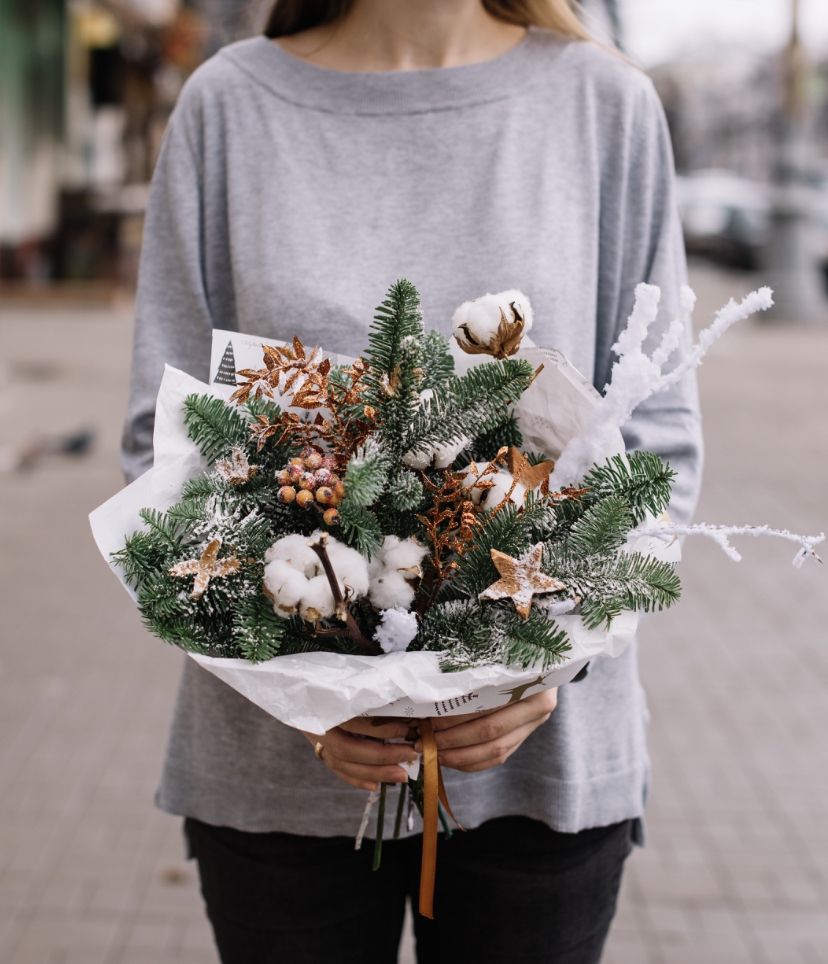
364	773
387	730
447	722
484	755
486	729
356	749
492	722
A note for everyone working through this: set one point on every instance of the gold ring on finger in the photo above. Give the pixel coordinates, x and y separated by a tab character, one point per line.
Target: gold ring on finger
317	750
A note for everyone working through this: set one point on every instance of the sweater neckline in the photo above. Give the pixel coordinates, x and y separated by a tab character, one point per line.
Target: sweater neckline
390	92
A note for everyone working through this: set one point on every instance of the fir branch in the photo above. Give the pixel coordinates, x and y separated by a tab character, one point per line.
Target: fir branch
398	321
405	491
258	405
609	584
505	435
391	383
200	486
603	528
360	528
470	405
536	641
367	475
640	478
166	531
461	629
188	511
140	557
213	425
510	530
435	360
259	632
468	634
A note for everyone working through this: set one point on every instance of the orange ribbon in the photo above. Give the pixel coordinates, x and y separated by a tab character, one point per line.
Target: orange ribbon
434	793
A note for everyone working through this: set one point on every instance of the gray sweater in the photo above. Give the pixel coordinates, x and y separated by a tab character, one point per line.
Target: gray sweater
286	199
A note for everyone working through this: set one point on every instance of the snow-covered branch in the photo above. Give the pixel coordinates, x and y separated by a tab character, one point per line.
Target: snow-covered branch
636	376
722	534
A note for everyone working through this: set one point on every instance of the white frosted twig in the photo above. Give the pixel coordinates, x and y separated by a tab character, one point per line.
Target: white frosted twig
722	534
636	376
726	317
373	796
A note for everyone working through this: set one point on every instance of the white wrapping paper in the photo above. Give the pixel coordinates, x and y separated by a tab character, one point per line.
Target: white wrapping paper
317	691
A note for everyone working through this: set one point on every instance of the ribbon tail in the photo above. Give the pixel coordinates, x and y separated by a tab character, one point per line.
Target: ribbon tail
431	792
441	793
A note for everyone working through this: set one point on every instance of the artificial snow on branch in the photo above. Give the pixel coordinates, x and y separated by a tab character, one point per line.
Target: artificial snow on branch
636	376
721	535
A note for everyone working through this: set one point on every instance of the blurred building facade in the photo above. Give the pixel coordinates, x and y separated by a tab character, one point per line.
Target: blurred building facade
86	87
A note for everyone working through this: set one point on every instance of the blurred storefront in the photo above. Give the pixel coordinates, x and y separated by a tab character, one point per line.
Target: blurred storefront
85	91
86	88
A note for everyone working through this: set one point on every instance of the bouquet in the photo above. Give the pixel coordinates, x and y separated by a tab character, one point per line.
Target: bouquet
436	526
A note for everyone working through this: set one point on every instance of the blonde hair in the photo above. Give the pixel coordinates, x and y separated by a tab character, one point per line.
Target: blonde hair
290	16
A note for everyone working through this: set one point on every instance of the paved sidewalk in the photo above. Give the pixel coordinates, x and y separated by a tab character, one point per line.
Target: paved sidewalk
736	870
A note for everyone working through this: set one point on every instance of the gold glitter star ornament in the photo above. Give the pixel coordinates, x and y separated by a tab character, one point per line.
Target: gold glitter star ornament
208	566
520	579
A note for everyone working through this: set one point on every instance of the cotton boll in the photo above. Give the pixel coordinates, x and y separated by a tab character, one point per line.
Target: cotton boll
470	479
445	454
296	551
402	555
285	585
317	600
503	486
418	459
350	566
389	590
493	324
396	630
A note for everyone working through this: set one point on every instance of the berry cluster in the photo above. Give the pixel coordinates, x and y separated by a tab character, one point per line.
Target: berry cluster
309	479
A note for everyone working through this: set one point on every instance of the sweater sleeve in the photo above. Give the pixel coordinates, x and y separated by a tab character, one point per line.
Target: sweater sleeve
641	240
173	322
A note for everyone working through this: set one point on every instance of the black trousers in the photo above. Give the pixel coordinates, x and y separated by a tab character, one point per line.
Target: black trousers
512	891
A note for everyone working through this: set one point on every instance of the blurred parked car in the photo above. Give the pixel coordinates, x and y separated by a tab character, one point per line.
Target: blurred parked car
726	217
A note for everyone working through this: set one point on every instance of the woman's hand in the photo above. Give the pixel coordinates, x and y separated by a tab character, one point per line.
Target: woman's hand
480	741
355	752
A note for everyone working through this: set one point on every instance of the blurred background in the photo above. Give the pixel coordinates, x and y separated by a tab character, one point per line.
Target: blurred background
736	867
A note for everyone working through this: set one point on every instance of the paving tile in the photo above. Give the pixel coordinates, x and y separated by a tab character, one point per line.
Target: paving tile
736	868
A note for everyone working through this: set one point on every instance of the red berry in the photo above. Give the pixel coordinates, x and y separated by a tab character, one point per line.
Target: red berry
304	498
330	517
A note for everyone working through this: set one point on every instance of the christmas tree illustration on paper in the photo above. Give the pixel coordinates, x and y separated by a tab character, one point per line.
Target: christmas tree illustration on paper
226	374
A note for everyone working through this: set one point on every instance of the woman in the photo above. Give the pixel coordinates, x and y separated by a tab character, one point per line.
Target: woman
470	147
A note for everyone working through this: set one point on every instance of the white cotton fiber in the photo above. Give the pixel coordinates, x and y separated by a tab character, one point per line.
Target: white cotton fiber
396	630
389	590
475	323
317	600
286	586
295	549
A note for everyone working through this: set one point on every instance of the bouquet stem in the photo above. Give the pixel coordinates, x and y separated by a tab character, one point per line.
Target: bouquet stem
380	828
352	629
